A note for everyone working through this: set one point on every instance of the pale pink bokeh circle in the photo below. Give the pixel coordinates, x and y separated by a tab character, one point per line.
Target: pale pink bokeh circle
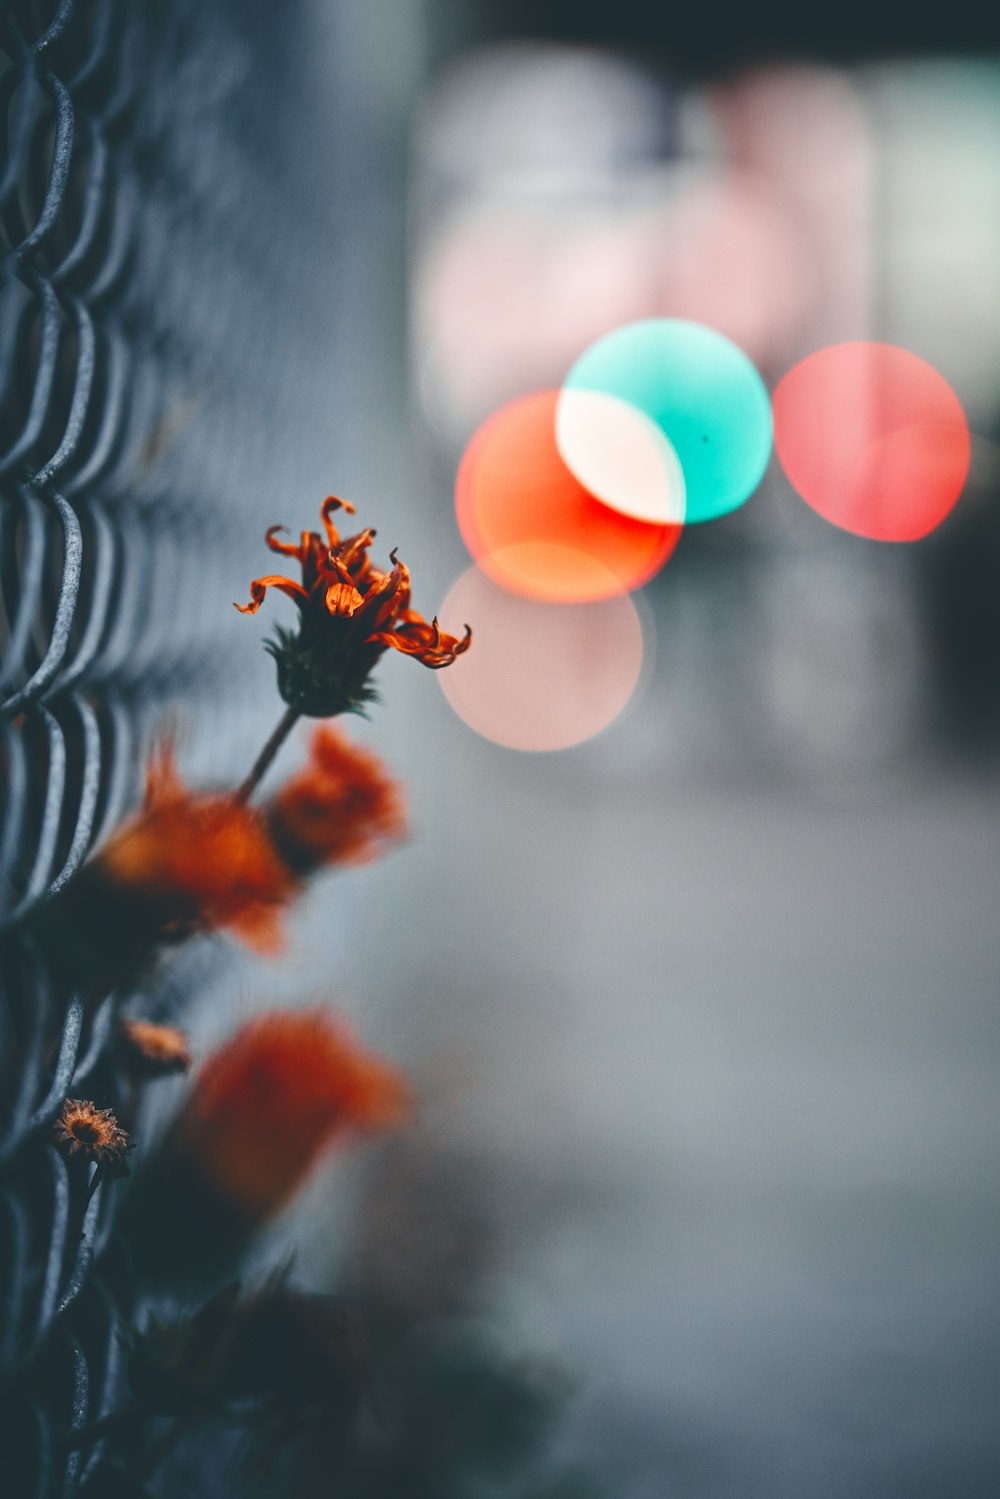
540	676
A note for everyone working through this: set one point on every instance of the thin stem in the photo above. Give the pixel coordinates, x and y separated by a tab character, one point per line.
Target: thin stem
86	1436
285	726
81	1190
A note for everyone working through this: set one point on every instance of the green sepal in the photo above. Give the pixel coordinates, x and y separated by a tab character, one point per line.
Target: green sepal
319	681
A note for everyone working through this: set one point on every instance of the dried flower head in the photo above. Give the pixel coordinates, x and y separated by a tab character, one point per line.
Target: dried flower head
266	1105
342	808
349	614
155	1049
91	1134
198	861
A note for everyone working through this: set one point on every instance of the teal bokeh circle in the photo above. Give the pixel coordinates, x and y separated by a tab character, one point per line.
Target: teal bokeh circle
703	393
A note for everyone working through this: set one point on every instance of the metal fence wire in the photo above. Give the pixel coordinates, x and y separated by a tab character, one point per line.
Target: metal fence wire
129	195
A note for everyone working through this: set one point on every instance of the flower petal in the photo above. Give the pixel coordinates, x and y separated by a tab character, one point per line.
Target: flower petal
330	504
287	548
260	927
163	784
382	601
343	599
351	553
426	642
259	587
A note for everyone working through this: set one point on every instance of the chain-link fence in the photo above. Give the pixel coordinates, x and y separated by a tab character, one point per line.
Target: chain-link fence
143	376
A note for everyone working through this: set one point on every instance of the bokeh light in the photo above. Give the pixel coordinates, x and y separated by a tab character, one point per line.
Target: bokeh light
704	394
542	676
803	136
534	527
873	439
620	456
734	255
508	294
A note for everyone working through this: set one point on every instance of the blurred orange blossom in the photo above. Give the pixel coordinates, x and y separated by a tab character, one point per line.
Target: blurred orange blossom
200	860
341	808
267	1104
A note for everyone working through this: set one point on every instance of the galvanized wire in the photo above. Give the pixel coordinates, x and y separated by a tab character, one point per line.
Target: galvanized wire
136	265
71	587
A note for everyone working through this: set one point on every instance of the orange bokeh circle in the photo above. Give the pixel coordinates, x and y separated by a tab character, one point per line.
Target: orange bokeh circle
534	528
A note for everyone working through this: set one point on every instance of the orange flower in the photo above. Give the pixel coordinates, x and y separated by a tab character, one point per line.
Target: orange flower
197	861
349	613
187	862
267	1104
91	1134
342	808
156	1049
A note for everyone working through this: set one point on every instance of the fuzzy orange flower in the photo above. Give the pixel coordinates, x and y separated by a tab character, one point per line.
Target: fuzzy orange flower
188	862
342	808
349	614
269	1102
198	861
155	1049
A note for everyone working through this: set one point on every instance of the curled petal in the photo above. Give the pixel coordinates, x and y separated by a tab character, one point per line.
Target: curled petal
330	504
335	569
365	575
259	587
382	598
426	642
403	597
450	649
350	553
315	561
286	548
343	599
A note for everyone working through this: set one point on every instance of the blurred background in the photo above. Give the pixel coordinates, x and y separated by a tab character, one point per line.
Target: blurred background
701	1008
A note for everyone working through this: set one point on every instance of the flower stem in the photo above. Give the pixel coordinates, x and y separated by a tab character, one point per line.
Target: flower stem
285	726
85	1436
81	1190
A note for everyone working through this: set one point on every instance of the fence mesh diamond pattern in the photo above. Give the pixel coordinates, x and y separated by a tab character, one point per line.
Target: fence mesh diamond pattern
130	212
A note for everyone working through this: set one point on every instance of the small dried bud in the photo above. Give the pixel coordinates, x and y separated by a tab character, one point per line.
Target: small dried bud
155	1050
91	1134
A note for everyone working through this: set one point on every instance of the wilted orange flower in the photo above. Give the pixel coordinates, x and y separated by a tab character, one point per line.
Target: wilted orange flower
157	1049
92	1134
349	613
198	860
342	808
266	1105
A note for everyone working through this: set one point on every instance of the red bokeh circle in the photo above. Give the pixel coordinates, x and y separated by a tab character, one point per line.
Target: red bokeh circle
873	439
